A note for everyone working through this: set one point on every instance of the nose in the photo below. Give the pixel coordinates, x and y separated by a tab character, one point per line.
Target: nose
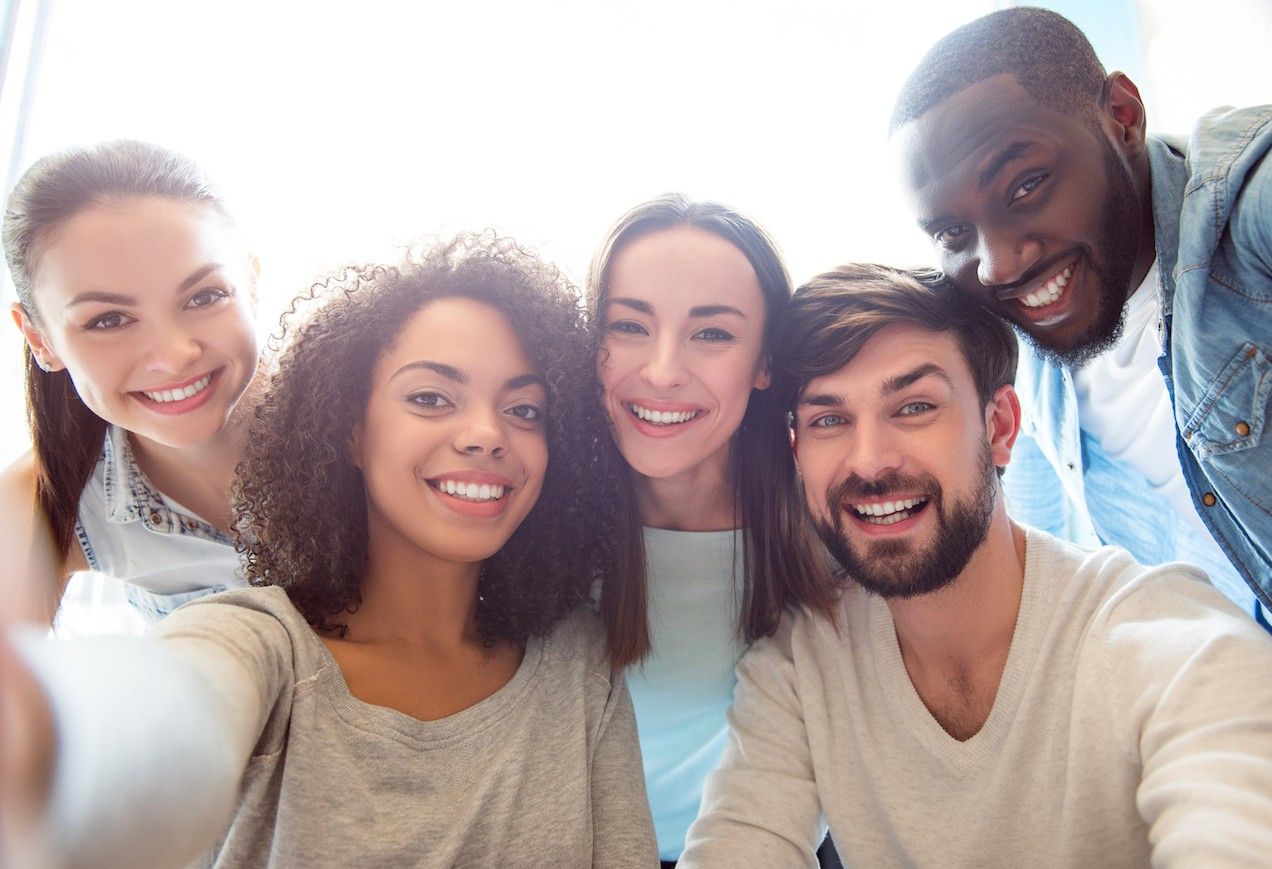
1005	257
873	452
480	432
664	367
172	350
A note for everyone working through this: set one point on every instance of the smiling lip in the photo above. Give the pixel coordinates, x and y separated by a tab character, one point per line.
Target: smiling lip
1050	295
174	406
901	513
662	419
471	492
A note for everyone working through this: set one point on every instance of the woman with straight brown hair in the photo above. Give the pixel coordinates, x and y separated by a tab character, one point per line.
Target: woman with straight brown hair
685	297
136	298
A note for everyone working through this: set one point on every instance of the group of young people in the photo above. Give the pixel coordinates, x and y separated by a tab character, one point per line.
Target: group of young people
465	572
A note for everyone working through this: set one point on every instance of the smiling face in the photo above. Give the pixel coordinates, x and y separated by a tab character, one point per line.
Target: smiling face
452	446
147	303
1032	212
684	339
897	454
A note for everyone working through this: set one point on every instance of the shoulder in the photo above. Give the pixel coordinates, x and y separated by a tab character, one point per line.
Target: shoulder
578	641
247	622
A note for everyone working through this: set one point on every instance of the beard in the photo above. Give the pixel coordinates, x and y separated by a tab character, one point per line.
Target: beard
1113	264
894	568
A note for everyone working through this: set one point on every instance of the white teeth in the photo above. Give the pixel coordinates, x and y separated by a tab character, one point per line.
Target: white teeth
662	417
178	394
887	512
1048	292
471	491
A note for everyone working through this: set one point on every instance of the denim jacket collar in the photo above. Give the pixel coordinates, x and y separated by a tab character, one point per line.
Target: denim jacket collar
1168	170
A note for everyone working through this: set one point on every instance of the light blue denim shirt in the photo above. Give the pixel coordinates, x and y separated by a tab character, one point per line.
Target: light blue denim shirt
165	554
1212	216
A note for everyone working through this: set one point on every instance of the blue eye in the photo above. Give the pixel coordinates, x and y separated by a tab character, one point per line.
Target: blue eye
203	298
915	408
830	420
108	322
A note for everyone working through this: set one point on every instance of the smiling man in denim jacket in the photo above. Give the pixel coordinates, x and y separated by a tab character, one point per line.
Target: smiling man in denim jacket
1138	267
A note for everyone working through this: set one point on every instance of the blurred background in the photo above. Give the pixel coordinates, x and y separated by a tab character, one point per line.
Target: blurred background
344	131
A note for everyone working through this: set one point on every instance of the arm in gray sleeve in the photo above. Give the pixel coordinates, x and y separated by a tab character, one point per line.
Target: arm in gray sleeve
622	828
153	734
760	806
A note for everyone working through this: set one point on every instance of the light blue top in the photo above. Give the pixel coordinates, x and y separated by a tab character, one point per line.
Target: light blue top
1212	217
165	554
685	687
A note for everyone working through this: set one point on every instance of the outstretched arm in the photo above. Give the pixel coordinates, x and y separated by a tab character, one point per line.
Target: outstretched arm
33	573
622	829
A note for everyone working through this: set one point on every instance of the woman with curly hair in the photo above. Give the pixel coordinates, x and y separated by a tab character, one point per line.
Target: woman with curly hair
413	680
714	542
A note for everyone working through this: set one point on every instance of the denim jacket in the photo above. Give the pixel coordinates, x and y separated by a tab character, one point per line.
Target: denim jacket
1212	216
164	554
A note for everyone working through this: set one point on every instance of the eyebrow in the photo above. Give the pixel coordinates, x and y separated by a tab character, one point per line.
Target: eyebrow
1001	159
699	311
890	386
109	298
454	375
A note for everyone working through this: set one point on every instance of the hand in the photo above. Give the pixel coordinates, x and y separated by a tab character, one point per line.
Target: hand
28	747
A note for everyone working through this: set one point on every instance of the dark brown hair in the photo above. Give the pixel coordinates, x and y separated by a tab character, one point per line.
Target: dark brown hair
66	436
781	559
833	316
1050	57
300	502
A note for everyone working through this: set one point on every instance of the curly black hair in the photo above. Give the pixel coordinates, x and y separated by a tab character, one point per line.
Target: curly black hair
300	503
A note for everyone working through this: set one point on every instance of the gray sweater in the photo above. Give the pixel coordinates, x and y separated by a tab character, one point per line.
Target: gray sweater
238	713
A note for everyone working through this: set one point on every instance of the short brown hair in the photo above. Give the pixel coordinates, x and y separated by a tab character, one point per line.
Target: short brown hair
833	316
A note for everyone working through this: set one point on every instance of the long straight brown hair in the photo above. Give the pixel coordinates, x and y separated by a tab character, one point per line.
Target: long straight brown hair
65	435
782	564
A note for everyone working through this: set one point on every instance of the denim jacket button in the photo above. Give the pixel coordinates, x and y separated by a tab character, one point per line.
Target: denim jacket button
1209	499
1243	428
155	518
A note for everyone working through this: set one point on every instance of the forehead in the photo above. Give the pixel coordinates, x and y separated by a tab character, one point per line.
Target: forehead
133	244
947	146
890	353
463	333
684	266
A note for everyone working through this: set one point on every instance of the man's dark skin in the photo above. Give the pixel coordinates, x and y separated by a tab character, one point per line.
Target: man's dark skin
1015	194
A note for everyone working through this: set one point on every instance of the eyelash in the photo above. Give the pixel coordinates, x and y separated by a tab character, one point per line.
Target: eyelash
711	334
626	327
924	407
430	400
216	293
113	320
1035	181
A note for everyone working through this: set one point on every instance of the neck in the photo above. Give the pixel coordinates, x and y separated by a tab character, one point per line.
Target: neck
966	628
1141	173
414	598
698	499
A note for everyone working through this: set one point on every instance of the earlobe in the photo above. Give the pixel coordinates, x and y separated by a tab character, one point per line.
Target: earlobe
45	358
355	446
763	379
1124	116
1002	423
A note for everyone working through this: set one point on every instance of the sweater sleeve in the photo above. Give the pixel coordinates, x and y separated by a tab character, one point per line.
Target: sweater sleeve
153	733
622	829
760	807
1188	684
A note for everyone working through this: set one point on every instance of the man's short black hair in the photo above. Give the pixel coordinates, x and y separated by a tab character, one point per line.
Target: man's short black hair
1050	57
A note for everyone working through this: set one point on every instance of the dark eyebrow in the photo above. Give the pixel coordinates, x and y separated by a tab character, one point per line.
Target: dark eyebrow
1001	159
525	380
634	304
901	381
713	310
108	298
822	399
447	371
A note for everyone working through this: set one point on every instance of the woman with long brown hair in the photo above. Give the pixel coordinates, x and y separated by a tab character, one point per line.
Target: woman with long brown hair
685	297
136	298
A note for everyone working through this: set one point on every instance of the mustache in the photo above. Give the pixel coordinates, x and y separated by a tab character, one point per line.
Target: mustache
1036	272
856	487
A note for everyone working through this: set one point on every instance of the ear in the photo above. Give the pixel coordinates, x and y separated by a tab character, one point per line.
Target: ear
762	377
44	356
253	277
1002	424
1122	114
355	445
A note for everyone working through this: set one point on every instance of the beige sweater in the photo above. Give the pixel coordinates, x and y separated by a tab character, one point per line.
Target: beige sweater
1133	724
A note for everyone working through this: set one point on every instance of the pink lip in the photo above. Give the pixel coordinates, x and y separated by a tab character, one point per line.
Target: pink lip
185	405
473	509
1051	313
